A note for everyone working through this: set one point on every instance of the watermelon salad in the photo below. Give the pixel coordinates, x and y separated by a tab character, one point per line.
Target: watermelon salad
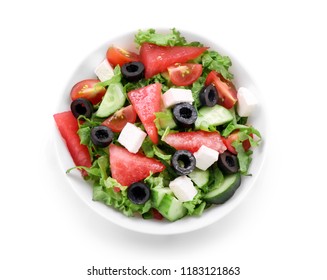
161	132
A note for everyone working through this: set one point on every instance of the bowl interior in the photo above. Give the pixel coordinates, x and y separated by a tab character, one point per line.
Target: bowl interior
84	190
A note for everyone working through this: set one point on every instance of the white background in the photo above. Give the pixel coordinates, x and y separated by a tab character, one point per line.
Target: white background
278	232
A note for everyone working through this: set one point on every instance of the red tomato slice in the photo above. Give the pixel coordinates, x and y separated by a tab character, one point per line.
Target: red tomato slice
86	89
231	138
193	140
184	74
119	56
128	168
146	102
226	90
118	120
68	126
157	59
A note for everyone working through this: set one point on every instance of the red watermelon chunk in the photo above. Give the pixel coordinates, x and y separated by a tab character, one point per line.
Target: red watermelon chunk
68	126
192	141
146	102
128	168
156	58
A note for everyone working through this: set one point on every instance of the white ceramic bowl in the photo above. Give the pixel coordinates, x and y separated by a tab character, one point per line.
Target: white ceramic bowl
211	215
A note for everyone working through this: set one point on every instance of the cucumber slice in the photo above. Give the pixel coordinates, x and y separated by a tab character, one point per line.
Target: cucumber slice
158	193
212	116
113	100
200	177
225	191
171	208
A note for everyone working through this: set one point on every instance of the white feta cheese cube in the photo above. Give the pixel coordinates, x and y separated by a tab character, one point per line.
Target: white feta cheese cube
183	188
131	137
246	102
104	71
174	96
205	157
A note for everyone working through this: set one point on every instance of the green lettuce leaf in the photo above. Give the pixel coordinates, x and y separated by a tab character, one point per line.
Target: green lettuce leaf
161	155
244	157
150	36
147	147
159	78
196	206
196	89
84	134
154	181
241	127
215	61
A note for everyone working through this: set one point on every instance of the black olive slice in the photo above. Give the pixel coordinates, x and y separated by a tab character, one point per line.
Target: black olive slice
133	71
138	193
101	136
228	163
184	115
209	96
183	162
81	106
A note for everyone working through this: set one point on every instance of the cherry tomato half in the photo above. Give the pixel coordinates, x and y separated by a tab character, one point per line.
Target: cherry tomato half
184	74
226	90
118	120
87	89
119	56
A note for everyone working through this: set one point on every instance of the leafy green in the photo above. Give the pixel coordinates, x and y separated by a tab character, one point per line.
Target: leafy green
196	89
103	163
245	132
147	215
215	61
215	180
84	134
244	157
207	127
165	133
196	205
151	150
218	176
90	170
198	210
243	128
159	78
154	181
150	36
160	154
147	147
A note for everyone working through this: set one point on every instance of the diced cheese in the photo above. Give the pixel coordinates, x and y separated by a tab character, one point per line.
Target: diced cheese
205	157
104	71
174	96
183	188
246	102
131	137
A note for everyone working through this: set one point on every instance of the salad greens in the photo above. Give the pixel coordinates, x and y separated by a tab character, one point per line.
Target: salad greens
112	193
150	36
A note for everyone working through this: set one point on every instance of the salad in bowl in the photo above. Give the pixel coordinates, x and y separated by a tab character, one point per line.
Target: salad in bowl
159	130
